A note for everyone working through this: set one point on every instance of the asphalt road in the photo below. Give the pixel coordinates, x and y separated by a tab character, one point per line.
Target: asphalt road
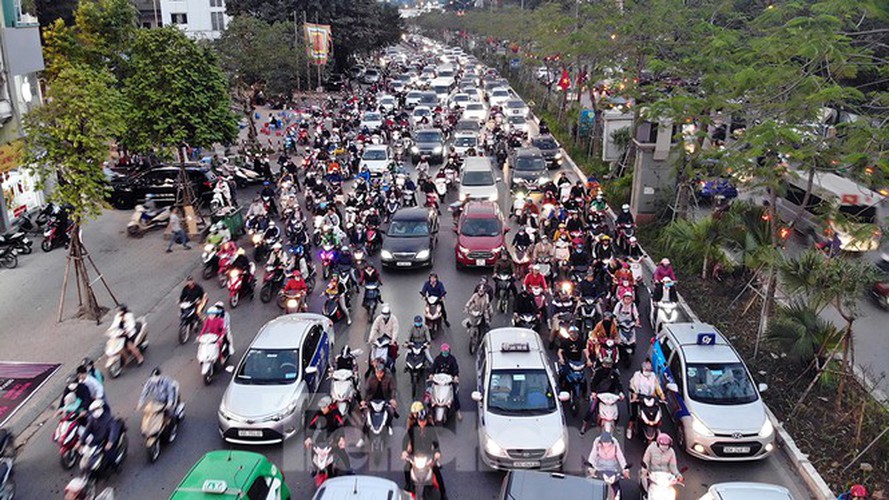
39	474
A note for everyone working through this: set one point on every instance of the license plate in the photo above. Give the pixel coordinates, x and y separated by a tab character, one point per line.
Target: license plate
736	449
480	262
250	434
526	465
403	264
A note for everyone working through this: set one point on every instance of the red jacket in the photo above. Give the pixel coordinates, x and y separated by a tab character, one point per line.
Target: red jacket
295	285
532	280
214	325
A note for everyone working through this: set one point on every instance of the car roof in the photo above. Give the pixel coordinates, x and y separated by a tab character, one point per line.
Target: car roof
532	485
357	488
477	163
748	490
685	335
412	213
527	151
221	465
377	147
499	338
479	209
285	332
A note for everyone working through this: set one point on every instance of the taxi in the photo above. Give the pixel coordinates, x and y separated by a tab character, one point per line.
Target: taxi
719	412
221	475
521	423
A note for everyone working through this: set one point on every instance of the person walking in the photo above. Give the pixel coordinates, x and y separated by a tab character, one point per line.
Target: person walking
177	234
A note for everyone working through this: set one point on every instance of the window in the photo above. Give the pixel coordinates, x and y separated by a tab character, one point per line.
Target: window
720	383
311	345
217	3
217	21
676	371
259	490
520	392
179	18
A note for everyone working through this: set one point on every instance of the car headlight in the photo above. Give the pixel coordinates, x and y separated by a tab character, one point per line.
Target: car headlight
415	150
558	448
462	249
492	448
559	156
423	254
284	413
699	428
767	429
497	249
437	149
494	197
386	254
228	416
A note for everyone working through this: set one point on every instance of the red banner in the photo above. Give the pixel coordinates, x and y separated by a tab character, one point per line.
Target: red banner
18	382
565	81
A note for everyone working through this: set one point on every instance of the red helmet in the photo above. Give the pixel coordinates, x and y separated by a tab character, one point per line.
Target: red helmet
664	439
858	490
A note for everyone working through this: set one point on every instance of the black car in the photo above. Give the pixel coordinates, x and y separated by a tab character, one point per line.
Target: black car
550	150
160	181
411	238
526	166
334	82
531	485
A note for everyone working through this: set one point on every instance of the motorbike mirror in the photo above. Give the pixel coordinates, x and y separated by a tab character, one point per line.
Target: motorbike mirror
672	387
564	396
311	370
507	229
763	387
476	396
230	369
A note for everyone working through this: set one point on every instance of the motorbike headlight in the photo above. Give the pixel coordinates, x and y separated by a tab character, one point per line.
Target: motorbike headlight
559	156
558	448
386	255
256	239
423	254
699	428
767	429
492	448
415	150
437	149
291	303
234	274
463	196
208	248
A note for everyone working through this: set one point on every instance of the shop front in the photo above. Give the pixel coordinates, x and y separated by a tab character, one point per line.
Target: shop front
19	190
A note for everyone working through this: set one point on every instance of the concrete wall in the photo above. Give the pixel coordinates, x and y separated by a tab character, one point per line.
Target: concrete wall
199	16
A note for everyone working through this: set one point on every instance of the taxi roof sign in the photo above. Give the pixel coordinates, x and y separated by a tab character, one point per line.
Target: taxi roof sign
706	339
515	347
214	486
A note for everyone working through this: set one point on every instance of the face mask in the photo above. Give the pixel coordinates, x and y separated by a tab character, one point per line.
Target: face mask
97	413
663	447
445	354
646	371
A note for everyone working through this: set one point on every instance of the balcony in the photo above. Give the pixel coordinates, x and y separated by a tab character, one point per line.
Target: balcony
20	14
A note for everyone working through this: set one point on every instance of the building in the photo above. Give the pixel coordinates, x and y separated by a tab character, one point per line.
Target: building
21	58
148	13
198	18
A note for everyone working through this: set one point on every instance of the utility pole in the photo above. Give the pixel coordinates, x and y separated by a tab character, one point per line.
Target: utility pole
296	46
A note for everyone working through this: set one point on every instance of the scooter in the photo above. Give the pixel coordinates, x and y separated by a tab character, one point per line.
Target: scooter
212	355
323	466
115	346
650	417
441	397
422	476
272	282
529	321
474	324
17	241
502	290
67	436
157	427
331	308
96	464
660	485
609	477
380	349
342	390
627	345
371	299
55	236
433	313
377	427
143	221
210	260
608	411
416	363
293	302
189	321
589	315
574	383
240	285
663	313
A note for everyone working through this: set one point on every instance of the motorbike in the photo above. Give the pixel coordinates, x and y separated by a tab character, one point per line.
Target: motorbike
210	260
292	302
189	321
608	411
475	323
18	241
441	397
327	256
374	240
377	427
67	436
95	463
156	427
381	348
323	461
660	485
539	300
8	258
433	314
416	363
422	476
262	245
624	232
609	477
502	291
627	345
574	383
441	186
240	285
371	299
589	315
212	355
55	236
650	417
342	390
529	321
115	346
144	220
272	282
663	313
331	308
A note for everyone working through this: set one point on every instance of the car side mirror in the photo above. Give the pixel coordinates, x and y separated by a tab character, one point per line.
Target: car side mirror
311	370
672	387
564	396
763	387
476	396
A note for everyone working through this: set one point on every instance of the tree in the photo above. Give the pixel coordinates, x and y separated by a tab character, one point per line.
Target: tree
178	93
50	10
801	333
701	241
67	141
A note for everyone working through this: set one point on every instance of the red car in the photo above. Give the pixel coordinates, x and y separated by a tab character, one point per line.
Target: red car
480	235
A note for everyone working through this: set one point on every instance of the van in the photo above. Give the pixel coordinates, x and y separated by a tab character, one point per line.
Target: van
861	208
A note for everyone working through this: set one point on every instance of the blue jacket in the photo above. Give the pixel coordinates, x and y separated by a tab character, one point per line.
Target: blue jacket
437	290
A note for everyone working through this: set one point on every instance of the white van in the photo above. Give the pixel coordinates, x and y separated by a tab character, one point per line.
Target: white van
861	207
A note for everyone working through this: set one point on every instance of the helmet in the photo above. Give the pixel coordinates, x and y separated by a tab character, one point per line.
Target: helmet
665	261
276	246
633	239
599	196
418	320
605	437
344	249
149	196
445	347
271	223
219	305
214	310
535	267
324	402
665	439
606	238
347	351
386	310
627	294
667	280
123	307
858	490
417	407
625	207
156	372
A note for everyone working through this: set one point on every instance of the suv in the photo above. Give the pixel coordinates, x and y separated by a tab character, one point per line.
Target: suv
477	181
428	142
526	166
521	422
719	412
480	235
160	182
550	150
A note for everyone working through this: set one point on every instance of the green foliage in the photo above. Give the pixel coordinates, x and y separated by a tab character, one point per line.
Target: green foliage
839	282
801	333
699	242
68	137
178	93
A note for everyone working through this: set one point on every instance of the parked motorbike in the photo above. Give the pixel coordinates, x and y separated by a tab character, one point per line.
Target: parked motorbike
189	321
115	350
55	236
144	220
157	427
8	258
441	397
18	241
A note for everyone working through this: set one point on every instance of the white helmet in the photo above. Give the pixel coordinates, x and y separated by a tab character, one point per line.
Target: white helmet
625	207
386	310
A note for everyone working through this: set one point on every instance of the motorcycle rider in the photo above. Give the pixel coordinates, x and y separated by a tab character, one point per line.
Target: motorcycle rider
588	286
626	311
92	371
422	439
125	323
643	383
543	249
101	429
579	260
522	240
279	257
419	333
604	250
327	424
384	324
504	266
606	455
446	363
194	293
564	307
272	233
338	289
479	302
162	390
570	349
216	324
663	270
436	288
856	492
598	204
345	360
256	209
606	379
95	388
380	386
268	191
242	263
666	291
535	279
634	250
624	217
524	303
659	457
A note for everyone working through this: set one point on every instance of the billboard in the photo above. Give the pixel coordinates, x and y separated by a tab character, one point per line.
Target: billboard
18	382
318	42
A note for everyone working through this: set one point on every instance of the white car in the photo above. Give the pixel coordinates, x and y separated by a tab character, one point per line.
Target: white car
398	86
499	96
517	123
387	103
419	113
412	99
747	491
459	99
515	107
477	180
371	120
464	141
521	422
475	111
376	158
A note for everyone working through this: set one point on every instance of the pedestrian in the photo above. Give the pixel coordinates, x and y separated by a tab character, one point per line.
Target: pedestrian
177	234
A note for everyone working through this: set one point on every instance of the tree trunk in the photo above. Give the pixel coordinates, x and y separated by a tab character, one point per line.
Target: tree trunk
844	373
806	197
88	306
704	267
768	303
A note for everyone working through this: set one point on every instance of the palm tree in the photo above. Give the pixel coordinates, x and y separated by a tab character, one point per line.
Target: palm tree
701	241
802	334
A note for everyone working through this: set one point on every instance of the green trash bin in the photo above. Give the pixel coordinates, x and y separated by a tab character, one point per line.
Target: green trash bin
234	220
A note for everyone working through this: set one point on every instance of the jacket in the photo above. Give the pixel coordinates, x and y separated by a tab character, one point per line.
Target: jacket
386	385
382	327
600	335
437	290
657	460
445	364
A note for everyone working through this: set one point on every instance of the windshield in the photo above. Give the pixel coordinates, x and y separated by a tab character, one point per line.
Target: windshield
269	366
529	163
408	228
481	227
478	178
864	214
413	95
515	104
719	383
428	136
422	112
500	93
432	98
465	142
442	89
516	120
475	107
375	154
520	392
372	117
545	144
